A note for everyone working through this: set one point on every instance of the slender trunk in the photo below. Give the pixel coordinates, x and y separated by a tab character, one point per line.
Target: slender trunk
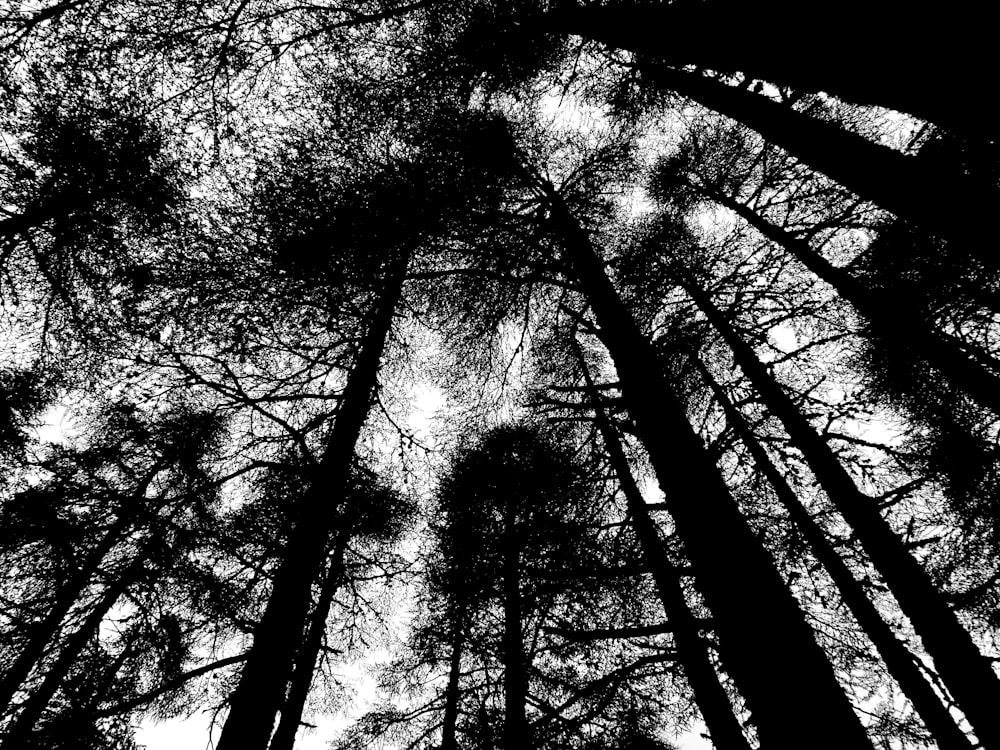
788	43
305	660
449	725
972	372
263	683
900	662
967	675
43	632
692	651
30	712
515	681
735	574
944	202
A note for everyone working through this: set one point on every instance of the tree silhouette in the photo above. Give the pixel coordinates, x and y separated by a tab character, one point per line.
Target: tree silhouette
675	246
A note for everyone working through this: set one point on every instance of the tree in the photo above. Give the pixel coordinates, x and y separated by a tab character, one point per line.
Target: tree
98	531
291	217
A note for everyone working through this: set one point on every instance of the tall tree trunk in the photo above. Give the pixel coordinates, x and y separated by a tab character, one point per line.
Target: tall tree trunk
758	652
449	724
264	680
970	370
516	735
69	593
901	663
692	651
17	735
790	44
942	201
965	672
305	660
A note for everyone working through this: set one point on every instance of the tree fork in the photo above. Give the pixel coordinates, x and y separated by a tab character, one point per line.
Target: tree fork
69	594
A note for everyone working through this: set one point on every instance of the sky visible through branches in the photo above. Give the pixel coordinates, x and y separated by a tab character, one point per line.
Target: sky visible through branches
497	375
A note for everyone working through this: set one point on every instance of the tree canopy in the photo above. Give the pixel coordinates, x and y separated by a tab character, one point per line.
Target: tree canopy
582	374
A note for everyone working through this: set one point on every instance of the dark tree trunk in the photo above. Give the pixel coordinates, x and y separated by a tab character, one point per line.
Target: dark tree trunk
69	593
901	663
942	201
739	584
263	683
305	660
692	651
973	372
963	669
515	681
31	711
449	725
904	49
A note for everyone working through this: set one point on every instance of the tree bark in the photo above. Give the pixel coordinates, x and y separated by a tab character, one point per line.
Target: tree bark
963	669
900	662
259	695
692	651
735	574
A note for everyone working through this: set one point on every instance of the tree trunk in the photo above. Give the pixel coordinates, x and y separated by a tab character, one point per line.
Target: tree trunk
692	651
449	725
972	372
44	631
261	690
305	660
963	669
20	729
516	735
735	574
943	202
794	45
900	662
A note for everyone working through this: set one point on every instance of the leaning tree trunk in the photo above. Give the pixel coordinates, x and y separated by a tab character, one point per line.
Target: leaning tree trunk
970	370
17	735
69	593
305	660
968	676
902	665
790	44
942	201
738	585
692	651
271	660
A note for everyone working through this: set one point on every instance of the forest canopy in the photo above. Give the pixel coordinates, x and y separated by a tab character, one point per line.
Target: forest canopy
585	374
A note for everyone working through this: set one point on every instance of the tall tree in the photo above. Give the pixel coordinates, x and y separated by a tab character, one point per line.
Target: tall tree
785	645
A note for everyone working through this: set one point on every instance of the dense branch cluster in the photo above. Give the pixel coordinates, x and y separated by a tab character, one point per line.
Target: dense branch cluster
707	309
